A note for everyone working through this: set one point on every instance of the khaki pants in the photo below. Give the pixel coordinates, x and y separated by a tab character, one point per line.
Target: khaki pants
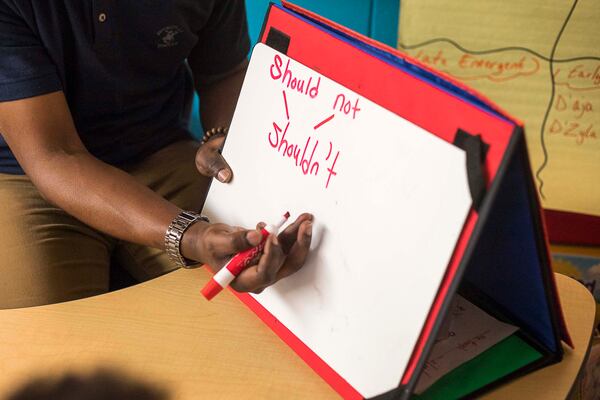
47	256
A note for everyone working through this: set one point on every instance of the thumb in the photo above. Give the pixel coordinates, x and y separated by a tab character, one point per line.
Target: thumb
211	163
219	168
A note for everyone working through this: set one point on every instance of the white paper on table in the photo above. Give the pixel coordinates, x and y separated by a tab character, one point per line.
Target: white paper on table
471	331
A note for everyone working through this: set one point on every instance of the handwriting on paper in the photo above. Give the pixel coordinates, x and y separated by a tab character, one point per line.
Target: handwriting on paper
475	67
548	78
471	331
312	156
572	113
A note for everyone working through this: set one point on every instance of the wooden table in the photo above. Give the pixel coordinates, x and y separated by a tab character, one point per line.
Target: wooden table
164	332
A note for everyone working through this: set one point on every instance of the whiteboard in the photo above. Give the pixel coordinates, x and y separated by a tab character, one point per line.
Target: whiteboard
389	200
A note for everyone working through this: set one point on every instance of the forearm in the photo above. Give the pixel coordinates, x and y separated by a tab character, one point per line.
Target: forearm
42	135
218	99
103	197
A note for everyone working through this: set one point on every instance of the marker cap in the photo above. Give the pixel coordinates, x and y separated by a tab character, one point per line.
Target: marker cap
211	289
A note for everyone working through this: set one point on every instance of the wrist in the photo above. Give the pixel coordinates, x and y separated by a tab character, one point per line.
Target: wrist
174	238
192	239
214	132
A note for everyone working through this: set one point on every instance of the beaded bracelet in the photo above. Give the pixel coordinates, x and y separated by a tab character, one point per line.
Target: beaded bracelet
221	130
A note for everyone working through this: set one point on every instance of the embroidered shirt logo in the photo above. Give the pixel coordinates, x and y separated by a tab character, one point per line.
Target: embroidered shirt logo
167	36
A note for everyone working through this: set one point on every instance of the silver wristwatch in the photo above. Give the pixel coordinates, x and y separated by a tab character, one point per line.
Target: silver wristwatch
174	234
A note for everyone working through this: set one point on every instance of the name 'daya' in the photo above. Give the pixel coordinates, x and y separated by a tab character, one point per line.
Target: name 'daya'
308	87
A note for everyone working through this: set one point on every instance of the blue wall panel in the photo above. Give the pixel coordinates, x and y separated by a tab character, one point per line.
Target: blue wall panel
384	21
375	18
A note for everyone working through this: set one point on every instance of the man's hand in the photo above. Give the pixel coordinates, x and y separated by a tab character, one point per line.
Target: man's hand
211	163
284	254
218	97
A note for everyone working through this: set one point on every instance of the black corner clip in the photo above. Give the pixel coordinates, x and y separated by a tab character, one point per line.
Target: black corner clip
278	40
476	150
399	393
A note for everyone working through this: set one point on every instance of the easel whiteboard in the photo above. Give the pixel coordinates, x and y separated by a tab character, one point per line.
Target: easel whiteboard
389	200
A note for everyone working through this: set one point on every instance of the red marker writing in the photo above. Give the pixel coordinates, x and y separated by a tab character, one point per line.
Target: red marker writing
239	262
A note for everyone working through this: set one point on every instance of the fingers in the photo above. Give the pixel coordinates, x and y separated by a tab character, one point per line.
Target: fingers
275	264
299	251
289	236
282	256
210	162
226	242
257	277
273	259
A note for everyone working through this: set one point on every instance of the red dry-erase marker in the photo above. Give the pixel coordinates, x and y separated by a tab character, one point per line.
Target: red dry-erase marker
239	262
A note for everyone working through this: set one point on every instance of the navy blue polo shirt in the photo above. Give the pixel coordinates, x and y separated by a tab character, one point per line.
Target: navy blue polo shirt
121	64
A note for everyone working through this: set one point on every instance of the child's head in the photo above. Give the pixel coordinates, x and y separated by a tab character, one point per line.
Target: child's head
101	385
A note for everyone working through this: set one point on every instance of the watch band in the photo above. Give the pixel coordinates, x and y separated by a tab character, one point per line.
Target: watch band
174	234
